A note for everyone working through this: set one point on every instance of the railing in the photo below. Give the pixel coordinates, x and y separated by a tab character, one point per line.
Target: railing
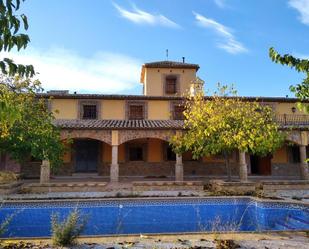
292	119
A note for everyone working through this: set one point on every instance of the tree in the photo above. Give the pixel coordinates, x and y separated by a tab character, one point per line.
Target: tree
301	90
223	124
32	133
10	37
26	124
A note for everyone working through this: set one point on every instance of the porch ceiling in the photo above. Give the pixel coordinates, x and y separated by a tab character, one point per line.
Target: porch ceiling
119	124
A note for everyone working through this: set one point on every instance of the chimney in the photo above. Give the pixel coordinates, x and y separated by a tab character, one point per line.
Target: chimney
183	59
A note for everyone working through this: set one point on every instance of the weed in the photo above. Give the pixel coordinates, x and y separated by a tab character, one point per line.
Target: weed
226	244
64	233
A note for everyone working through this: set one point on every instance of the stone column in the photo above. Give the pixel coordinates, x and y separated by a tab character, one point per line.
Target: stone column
179	168
114	173
45	172
243	172
303	164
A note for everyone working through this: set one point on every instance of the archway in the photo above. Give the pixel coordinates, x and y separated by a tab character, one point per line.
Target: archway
84	156
145	158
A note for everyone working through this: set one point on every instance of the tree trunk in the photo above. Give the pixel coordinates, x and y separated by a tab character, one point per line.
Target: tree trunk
227	165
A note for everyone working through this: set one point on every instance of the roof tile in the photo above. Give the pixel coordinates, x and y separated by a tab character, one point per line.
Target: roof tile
171	64
118	124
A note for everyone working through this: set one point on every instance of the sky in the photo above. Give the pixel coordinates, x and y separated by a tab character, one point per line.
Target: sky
99	46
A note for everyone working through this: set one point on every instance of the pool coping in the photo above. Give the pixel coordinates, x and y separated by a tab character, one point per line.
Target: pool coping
253	198
154	235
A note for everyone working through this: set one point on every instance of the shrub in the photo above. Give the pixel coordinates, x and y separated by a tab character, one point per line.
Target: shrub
7	177
226	244
64	233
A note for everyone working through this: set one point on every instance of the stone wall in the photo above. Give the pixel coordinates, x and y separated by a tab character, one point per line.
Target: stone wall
6	163
101	135
127	135
285	169
31	169
166	169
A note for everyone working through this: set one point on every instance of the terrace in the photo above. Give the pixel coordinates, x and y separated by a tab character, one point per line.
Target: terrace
287	120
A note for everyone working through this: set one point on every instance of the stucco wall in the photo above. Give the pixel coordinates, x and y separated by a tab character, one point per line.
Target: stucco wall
286	108
155	151
280	155
65	108
67	157
158	110
155	77
113	109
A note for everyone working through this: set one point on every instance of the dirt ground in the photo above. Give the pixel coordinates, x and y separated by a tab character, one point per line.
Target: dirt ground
299	240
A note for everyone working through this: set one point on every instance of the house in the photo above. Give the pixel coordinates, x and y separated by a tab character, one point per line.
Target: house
127	136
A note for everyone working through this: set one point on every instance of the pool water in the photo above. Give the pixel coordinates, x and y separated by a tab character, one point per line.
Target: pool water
142	216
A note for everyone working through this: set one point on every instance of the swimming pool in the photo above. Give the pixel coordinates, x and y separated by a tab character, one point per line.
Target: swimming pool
135	216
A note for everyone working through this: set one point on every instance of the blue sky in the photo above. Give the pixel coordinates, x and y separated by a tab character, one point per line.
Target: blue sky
100	45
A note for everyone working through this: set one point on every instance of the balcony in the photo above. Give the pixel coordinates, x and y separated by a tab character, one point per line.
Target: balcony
292	120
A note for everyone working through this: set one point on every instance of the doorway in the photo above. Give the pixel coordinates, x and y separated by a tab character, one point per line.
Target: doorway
260	165
86	156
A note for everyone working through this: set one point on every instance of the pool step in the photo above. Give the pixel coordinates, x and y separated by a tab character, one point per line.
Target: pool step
283	226
298	222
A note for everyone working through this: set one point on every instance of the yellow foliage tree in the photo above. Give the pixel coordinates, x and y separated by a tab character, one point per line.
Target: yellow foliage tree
225	123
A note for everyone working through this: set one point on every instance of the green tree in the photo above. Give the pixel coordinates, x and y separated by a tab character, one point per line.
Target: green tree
223	124
301	90
11	37
33	133
26	127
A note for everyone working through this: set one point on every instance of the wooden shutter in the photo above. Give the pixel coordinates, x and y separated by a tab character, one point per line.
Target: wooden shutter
136	112
170	85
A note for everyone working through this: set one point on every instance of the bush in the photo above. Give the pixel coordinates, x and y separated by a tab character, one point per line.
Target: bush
7	177
226	244
64	233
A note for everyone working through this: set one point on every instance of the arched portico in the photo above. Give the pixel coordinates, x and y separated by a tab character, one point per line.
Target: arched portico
100	135
127	135
123	139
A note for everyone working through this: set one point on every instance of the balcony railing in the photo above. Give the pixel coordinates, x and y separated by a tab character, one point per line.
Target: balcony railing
292	120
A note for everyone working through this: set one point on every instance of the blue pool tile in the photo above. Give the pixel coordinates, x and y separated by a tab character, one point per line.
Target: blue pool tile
158	216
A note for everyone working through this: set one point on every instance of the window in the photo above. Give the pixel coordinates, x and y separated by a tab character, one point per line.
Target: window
170	154
178	112
89	111
171	85
136	112
136	153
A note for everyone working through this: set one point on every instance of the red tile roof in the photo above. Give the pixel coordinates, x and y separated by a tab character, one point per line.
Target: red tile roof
118	124
171	64
146	124
64	95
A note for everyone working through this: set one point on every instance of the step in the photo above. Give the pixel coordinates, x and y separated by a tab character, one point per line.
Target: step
298	223
285	226
278	227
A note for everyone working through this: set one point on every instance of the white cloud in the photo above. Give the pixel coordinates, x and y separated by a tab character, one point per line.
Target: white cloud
301	56
142	17
220	3
103	72
228	42
302	6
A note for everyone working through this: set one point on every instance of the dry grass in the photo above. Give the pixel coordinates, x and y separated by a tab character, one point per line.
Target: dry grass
7	177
